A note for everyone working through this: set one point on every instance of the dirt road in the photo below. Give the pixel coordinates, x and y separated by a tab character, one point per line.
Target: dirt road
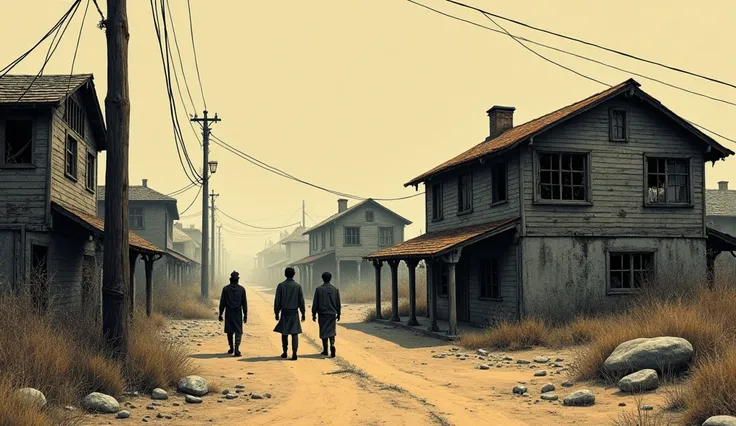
381	376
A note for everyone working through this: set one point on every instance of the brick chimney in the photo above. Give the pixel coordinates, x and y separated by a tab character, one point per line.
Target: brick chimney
723	185
342	205
145	183
501	118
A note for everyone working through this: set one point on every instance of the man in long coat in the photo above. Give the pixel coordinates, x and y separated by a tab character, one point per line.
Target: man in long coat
287	304
234	302
326	303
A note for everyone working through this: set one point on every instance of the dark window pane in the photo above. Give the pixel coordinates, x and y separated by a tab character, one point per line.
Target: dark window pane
18	142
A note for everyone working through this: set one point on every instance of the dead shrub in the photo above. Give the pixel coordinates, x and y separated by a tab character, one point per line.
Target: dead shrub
508	336
180	301
404	310
712	389
100	374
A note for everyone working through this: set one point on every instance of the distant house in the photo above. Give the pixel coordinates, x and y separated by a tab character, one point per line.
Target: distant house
151	214
339	243
720	208
51	132
268	261
589	202
196	235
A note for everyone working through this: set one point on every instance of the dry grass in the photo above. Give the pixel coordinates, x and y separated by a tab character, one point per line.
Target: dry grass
404	310
640	417
712	390
181	301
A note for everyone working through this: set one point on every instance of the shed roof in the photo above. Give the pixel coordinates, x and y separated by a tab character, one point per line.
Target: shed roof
720	241
720	203
368	201
518	134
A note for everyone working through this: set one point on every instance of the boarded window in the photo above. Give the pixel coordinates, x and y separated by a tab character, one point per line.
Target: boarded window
619	130
628	271
369	216
465	193
668	181
437	204
386	236
488	277
18	142
562	177
71	157
498	183
39	285
135	217
90	171
352	236
74	116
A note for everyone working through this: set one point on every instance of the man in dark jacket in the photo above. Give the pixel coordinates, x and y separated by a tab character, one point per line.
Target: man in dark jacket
234	302
326	303
289	300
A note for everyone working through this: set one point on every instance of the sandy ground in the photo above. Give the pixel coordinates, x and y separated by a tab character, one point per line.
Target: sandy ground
381	376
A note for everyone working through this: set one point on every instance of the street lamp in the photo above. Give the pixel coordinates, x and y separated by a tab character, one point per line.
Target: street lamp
213	167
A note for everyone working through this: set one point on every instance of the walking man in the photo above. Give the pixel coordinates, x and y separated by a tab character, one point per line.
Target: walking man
326	303
234	303
287	304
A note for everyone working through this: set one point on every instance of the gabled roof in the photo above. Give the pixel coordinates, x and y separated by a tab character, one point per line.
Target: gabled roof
363	203
720	203
297	236
137	193
313	258
519	134
273	248
179	236
52	90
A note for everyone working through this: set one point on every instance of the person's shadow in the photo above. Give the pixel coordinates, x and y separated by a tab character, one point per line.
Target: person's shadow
210	356
278	358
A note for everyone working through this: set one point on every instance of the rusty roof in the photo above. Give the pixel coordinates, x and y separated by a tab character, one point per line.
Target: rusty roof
97	225
436	243
523	132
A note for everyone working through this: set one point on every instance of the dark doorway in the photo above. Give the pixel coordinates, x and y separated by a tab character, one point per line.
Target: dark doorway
39	282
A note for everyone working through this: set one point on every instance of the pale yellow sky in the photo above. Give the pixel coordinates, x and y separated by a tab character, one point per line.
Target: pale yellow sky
362	95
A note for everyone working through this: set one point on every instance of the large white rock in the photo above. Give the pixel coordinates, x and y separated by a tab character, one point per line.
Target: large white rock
33	396
582	397
193	385
642	380
720	421
97	402
649	353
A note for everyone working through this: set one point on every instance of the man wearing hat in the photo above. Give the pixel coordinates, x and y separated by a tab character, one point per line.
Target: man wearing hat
233	302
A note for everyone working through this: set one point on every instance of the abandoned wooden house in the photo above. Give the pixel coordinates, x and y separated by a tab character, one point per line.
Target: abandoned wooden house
151	215
588	202
338	244
267	260
51	132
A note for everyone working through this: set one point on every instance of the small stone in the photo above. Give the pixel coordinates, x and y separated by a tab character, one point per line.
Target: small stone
176	404
540	373
226	391
484	367
567	384
70	408
159	416
647	408
124	414
720	421
159	394
583	397
642	380
522	361
549	396
97	402
156	404
193	399
231	396
132	406
240	391
256	396
559	360
549	387
541	359
622	404
150	407
169	417
519	390
268	396
482	352
145	420
193	385
454	349
240	386
508	358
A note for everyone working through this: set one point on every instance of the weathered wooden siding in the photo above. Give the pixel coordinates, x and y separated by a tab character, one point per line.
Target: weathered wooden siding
23	190
483	210
486	311
65	260
65	190
8	260
368	232
617	176
563	273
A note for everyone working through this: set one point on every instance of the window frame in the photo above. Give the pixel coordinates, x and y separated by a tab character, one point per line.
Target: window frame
142	215
370	216
332	235
494	201
469	210
91	186
82	117
345	236
3	124
494	278
314	242
381	230
441	189
588	201
323	239
690	188
75	176
611	113
652	251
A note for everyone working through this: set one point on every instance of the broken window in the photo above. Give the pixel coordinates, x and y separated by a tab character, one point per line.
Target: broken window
562	177
628	271
619	125
465	193
74	116
90	172
386	236
18	142
668	181
369	216
71	157
135	217
488	276
352	236
498	183
437	201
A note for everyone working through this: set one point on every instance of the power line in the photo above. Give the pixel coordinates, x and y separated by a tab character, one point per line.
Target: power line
556	49
254	226
190	215
598	46
199	191
103	20
181	190
76	49
181	63
194	49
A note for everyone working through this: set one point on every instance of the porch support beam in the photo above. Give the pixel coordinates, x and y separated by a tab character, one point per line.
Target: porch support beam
412	265
711	256
133	256
338	271
377	265
452	260
432	297
394	265
359	276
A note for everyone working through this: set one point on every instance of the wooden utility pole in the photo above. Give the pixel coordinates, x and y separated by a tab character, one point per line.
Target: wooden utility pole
116	260
220	269
304	213
204	287
212	254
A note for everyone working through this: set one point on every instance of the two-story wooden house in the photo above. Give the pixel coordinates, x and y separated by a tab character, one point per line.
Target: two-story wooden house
588	202
338	244
51	132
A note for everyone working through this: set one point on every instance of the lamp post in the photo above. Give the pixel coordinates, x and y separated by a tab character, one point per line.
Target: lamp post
213	167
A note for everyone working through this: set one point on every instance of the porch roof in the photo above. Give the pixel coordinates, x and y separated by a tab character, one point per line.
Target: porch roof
437	243
97	225
180	257
313	258
720	241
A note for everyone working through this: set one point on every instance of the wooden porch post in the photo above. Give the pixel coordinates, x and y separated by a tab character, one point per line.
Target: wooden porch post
432	298
711	267
452	259
427	281
148	259
338	272
394	265
377	265
131	289
412	265
359	276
